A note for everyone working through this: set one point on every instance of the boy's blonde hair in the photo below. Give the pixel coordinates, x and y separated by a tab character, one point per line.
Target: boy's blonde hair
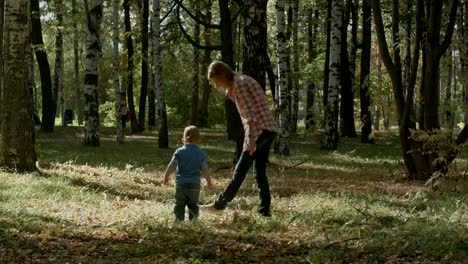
220	69
192	134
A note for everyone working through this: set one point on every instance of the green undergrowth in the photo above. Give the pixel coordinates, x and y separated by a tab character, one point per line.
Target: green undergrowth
107	204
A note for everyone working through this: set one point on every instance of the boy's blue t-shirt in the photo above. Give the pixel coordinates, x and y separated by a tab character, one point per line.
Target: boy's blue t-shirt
188	161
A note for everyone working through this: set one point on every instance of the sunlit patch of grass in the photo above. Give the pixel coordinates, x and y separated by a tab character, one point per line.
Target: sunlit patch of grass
108	204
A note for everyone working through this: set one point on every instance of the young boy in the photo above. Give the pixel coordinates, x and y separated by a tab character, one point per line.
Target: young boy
188	161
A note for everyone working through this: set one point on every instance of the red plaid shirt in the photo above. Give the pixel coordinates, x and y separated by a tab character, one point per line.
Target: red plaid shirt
251	103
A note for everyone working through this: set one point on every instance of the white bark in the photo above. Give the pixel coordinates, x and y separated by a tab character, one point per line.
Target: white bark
115	70
91	109
282	68
158	82
330	137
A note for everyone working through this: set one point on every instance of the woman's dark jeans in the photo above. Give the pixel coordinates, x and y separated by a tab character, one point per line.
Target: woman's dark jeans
259	160
186	194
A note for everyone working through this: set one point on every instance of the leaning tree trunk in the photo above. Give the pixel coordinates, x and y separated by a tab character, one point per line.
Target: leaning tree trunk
366	120
330	136
282	58
163	137
91	107
17	150
115	71
48	117
144	66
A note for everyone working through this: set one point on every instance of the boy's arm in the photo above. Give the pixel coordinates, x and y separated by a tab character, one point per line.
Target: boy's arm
167	174
206	174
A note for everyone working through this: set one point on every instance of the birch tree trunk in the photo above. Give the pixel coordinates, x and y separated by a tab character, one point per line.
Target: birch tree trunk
312	24
282	58
115	70
76	65
48	118
17	150
163	138
295	68
144	66
91	107
151	95
330	136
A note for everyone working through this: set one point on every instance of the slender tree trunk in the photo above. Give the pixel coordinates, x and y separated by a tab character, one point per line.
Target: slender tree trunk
330	136
282	58
347	128
130	66
91	111
76	65
195	71
366	120
144	66
312	54
2	19
326	72
17	150
151	95
115	71
203	114
48	117
295	68
463	36
163	137
57	84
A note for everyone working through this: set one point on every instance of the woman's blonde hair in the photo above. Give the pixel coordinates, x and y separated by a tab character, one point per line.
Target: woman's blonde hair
220	69
192	134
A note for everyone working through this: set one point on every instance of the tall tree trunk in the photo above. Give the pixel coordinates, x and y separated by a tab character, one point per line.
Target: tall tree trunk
130	66
48	117
347	128
283	93
330	136
295	68
2	19
449	117
255	40
312	24
234	127
144	66
163	137
326	71
17	150
435	50
462	30
76	65
203	113
366	120
195	70
151	95
57	84
91	108
115	71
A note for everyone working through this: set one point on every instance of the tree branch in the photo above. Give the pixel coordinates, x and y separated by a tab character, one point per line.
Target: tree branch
380	31
189	39
168	13
450	27
180	4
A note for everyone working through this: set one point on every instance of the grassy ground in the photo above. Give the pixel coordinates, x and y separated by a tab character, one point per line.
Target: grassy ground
108	205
